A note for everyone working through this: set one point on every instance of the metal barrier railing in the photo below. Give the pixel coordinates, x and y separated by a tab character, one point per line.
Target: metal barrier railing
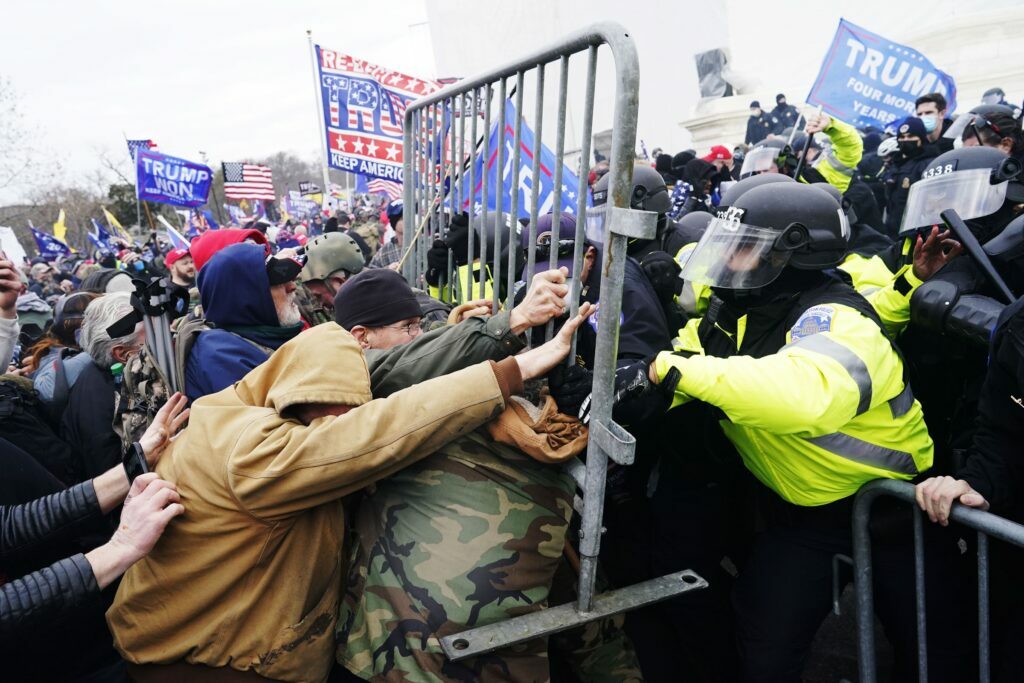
440	167
984	523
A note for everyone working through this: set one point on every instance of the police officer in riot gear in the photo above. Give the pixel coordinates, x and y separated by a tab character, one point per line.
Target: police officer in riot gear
796	367
649	193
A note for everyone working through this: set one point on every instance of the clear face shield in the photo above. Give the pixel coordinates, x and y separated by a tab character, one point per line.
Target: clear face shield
760	160
970	193
596	223
734	255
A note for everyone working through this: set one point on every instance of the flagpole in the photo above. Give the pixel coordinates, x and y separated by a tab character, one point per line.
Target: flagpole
213	190
319	101
138	209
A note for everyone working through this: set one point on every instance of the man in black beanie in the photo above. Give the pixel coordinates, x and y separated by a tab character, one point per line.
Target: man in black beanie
378	308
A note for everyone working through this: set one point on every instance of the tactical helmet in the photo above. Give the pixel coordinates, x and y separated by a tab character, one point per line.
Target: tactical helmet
980	117
740	188
328	253
692	225
649	191
762	157
975	182
766	230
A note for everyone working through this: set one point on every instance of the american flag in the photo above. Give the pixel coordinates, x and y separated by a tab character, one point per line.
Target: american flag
680	193
392	189
248	181
139	144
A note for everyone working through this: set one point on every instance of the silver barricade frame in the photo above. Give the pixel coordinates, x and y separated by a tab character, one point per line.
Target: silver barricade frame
984	523
429	178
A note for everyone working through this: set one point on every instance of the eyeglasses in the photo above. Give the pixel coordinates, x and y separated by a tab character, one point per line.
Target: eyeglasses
411	329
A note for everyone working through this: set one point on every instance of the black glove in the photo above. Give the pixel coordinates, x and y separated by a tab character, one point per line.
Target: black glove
633	383
457	238
570	387
662	272
437	262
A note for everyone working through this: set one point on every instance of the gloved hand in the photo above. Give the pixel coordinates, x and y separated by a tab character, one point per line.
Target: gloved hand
570	387
662	272
633	383
437	262
457	238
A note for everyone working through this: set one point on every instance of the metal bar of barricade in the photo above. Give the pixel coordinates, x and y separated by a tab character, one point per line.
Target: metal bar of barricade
485	197
919	600
556	211
984	635
986	524
471	195
608	441
408	191
538	124
499	192
513	218
583	189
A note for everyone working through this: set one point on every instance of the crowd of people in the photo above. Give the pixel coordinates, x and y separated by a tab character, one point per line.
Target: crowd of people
356	466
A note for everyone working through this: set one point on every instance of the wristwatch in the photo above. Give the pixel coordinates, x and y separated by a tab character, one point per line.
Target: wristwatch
134	461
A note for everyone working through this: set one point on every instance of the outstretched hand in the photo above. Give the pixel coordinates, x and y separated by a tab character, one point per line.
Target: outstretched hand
539	361
931	254
168	420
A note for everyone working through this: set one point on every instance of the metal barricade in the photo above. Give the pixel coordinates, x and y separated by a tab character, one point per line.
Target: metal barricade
440	170
984	523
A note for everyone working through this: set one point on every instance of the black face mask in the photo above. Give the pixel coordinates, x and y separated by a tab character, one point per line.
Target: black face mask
910	148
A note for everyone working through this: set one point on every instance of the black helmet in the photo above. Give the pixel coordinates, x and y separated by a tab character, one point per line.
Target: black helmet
762	156
649	192
739	189
980	183
766	230
1001	118
505	226
692	226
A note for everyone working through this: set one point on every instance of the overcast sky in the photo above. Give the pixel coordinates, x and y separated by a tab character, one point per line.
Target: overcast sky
233	78
227	77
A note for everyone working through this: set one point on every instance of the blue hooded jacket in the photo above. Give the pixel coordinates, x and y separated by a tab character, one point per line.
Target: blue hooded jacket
236	301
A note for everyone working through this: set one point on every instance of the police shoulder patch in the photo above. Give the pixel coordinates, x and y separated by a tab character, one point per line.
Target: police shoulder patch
814	320
592	318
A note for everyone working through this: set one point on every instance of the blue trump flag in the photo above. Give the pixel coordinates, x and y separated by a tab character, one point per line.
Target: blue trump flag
49	246
523	176
101	246
170	180
869	80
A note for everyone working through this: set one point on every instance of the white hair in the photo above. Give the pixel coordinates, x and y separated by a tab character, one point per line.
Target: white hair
101	314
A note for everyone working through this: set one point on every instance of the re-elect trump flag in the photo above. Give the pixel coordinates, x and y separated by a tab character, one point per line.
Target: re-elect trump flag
364	109
869	80
49	246
170	180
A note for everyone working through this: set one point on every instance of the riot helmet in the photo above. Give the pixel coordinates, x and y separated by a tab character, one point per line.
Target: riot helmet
740	188
764	157
648	193
982	184
1008	245
693	225
765	231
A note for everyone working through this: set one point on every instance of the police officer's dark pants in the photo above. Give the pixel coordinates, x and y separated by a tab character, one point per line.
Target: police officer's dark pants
785	591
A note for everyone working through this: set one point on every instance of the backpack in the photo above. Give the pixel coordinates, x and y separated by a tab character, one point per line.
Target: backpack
142	392
24	422
370	235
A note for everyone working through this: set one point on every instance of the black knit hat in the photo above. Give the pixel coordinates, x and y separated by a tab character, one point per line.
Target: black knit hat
375	298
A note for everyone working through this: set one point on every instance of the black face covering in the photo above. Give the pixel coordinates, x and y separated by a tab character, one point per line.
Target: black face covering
910	148
987	227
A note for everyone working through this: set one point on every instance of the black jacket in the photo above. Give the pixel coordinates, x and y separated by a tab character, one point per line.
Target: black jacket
994	466
34	599
897	179
758	128
87	423
784	116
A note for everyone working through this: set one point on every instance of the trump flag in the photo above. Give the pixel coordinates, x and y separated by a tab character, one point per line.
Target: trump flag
866	79
364	110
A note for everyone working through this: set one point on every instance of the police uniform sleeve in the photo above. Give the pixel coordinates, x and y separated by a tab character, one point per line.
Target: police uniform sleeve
888	291
994	466
836	365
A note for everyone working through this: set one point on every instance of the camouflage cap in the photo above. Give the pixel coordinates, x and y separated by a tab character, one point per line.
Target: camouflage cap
329	253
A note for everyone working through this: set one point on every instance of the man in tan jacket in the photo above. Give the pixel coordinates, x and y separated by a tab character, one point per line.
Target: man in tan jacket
246	584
